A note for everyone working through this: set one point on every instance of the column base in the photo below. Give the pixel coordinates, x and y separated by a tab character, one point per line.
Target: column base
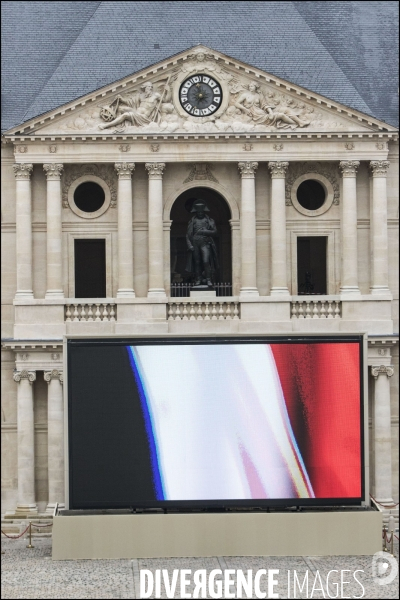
380	290
125	293
156	293
350	290
279	291
52	505
26	510
24	294
54	294
249	291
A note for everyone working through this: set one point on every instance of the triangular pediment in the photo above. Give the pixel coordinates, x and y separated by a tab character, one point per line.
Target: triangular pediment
153	101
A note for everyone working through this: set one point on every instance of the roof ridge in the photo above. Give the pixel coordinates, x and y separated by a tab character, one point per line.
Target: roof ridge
371	112
84	25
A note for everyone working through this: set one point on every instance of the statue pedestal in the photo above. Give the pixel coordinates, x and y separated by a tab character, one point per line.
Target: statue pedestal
203	292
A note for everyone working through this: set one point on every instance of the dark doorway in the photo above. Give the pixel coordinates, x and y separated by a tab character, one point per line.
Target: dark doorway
180	216
311	265
90	268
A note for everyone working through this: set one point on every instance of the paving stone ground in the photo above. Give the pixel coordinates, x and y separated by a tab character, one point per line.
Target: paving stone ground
31	573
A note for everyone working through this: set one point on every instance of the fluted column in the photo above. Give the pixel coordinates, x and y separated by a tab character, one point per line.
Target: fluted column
382	433
349	283
156	249
125	230
23	173
248	229
55	438
379	267
26	443
278	228
54	230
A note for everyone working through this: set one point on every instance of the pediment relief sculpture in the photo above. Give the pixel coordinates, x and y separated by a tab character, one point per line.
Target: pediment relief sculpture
203	94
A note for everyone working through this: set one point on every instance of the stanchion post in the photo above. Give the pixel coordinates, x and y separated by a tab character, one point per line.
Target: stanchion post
30	535
391	526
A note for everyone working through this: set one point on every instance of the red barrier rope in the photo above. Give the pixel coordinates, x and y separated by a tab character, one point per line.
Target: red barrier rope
384	505
44	525
15	537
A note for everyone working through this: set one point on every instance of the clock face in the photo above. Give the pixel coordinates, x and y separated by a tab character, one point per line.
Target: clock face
200	95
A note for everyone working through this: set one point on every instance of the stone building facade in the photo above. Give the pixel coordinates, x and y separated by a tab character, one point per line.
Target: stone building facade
138	146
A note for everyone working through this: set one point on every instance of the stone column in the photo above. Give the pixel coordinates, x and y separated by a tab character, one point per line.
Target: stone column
26	504
55	433
248	230
278	229
125	230
156	249
379	267
382	432
23	173
349	283
54	231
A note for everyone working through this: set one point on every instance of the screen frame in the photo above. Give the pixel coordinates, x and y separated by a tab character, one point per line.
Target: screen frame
167	339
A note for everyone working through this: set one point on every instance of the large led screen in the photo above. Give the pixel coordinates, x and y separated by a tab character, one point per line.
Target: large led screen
200	422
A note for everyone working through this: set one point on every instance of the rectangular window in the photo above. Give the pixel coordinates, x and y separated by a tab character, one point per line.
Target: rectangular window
311	265
90	268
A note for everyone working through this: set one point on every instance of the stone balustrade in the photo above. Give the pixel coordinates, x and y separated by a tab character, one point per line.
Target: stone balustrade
190	310
316	307
89	310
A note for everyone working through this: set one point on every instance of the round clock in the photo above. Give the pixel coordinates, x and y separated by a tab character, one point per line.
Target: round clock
200	95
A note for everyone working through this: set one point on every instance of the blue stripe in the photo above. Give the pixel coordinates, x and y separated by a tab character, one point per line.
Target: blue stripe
146	410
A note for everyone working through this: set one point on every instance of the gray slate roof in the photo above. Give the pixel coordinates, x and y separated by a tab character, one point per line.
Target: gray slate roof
54	52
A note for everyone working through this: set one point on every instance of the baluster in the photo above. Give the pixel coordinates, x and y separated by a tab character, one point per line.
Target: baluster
90	313
112	312
83	312
68	313
199	311
185	312
178	311
301	310
76	314
235	311
214	311
192	312
207	312
315	310
170	311
221	311
294	310
337	310
308	310
228	313
323	310
330	311
105	312
97	313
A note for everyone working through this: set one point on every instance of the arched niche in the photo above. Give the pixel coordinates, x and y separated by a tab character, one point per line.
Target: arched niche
180	216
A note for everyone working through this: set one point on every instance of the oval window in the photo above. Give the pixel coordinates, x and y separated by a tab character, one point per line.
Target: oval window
311	194
89	197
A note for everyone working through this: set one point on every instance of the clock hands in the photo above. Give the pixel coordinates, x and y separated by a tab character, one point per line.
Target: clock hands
201	94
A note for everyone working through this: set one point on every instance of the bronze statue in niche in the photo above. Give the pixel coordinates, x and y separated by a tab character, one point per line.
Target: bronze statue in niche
202	259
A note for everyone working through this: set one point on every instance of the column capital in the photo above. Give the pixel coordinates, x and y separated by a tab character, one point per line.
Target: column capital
155	170
124	169
23	170
379	168
24	374
278	169
247	169
54	374
382	370
349	167
53	170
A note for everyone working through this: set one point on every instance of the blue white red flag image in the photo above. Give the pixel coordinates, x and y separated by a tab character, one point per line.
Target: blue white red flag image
251	421
214	422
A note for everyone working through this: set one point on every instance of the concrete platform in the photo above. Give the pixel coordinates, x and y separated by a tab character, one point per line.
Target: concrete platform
232	534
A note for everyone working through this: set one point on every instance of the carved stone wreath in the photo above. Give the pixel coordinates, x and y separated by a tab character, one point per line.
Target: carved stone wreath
104	172
296	171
